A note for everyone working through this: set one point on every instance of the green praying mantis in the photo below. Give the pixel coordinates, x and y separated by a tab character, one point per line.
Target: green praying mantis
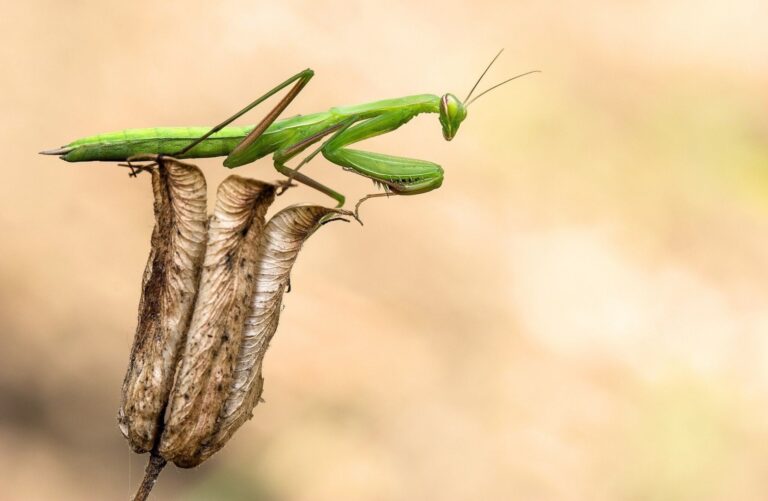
337	128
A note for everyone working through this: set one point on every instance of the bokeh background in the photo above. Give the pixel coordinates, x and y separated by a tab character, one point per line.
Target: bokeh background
579	313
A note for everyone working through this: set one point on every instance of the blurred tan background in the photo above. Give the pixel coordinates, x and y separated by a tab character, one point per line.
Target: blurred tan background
579	313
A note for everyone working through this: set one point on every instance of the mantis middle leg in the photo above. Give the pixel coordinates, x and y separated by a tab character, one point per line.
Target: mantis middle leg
282	155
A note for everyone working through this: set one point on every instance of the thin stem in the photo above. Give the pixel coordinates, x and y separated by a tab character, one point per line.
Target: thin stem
154	467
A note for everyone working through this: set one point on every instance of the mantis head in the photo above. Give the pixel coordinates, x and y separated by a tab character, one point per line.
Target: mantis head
453	111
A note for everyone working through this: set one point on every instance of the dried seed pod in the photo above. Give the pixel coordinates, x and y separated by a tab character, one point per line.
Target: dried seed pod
283	237
168	296
205	370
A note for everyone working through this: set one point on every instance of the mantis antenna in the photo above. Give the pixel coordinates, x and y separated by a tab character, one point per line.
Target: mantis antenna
483	74
499	85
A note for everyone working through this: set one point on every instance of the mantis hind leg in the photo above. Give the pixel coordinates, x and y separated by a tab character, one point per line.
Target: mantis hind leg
240	155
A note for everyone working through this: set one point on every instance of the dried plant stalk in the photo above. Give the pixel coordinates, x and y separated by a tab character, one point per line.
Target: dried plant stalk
207	362
168	295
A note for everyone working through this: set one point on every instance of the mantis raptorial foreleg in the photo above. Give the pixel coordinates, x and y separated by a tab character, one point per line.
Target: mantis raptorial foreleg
397	174
400	175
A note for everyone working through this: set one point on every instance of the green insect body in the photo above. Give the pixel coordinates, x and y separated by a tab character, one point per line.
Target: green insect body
337	128
121	145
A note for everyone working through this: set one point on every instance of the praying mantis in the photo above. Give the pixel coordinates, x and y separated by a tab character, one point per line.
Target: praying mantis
284	139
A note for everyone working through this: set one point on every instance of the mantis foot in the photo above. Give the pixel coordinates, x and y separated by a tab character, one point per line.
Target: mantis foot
340	216
360	202
137	169
284	184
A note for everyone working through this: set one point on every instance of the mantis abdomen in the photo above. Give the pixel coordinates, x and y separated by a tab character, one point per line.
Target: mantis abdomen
119	146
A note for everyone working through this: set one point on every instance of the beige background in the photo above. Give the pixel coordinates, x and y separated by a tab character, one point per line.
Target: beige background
579	313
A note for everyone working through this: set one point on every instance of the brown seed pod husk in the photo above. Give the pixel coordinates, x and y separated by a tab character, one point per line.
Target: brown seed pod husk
283	238
168	295
205	370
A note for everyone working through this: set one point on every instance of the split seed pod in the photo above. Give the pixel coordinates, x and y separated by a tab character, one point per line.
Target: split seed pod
207	364
167	299
283	237
205	322
218	380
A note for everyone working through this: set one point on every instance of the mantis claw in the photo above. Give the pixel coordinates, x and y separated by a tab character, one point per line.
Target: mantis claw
284	184
138	169
373	195
354	215
340	217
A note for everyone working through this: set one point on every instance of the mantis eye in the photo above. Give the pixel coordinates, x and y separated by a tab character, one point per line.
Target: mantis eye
452	113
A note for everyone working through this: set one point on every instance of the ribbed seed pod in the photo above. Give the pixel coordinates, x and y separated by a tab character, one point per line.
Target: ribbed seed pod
283	237
210	306
168	295
205	370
